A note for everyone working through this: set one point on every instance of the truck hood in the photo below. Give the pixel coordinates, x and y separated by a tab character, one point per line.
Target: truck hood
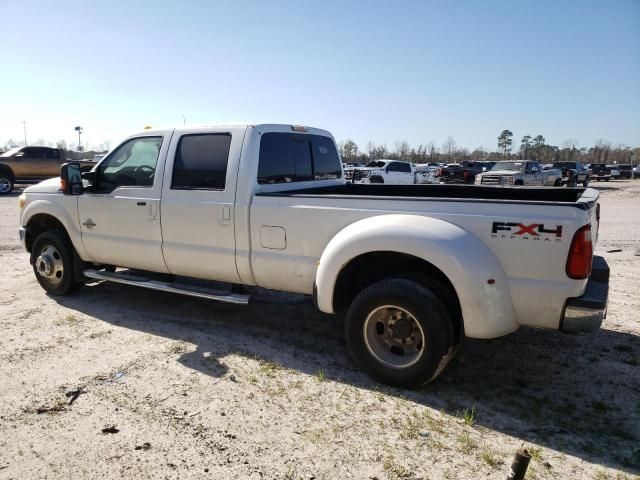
51	185
501	172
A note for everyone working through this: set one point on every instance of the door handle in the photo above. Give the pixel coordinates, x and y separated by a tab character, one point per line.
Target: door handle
153	208
141	204
225	215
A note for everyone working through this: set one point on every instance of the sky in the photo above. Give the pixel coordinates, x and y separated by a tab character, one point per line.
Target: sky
383	71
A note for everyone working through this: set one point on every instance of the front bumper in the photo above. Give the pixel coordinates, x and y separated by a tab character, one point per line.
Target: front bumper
23	237
586	313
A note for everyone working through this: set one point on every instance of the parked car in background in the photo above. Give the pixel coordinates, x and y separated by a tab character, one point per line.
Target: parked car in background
573	173
394	172
625	170
32	165
464	172
521	172
600	172
425	173
615	171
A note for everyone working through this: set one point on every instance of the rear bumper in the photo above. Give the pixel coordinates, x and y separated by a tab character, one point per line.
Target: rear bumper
586	313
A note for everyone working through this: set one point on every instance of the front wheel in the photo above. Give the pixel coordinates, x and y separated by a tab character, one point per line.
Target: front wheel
399	332
53	262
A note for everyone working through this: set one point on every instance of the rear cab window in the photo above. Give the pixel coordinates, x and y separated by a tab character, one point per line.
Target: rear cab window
295	157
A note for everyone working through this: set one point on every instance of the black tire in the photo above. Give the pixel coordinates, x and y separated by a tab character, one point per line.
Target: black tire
558	183
425	309
51	250
585	183
607	179
6	182
376	179
519	182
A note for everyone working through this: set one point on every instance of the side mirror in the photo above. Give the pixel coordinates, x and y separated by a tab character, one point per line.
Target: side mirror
89	176
71	179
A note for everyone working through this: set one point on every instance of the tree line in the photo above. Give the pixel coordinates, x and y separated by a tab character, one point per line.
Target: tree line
530	148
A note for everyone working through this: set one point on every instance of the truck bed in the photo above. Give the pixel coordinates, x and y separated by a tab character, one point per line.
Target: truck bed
577	197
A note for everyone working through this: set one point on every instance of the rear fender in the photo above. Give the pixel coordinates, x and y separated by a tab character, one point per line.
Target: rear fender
472	269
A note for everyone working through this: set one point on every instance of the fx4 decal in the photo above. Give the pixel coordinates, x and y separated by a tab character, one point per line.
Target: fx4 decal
534	231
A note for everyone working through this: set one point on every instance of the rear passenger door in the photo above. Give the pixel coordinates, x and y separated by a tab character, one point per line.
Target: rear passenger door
405	174
51	163
197	208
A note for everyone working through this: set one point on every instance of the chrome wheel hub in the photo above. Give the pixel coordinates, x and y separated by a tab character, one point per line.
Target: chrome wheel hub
49	264
393	336
5	185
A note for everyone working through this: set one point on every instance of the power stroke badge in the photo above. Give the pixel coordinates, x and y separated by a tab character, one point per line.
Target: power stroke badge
534	231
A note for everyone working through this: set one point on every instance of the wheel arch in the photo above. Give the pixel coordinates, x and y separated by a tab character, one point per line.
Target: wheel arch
435	246
43	215
371	267
6	169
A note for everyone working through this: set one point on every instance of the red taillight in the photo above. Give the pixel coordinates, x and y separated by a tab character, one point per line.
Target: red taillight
580	254
466	175
439	173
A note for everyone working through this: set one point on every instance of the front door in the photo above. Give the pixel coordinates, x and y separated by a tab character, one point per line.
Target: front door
27	163
198	203
120	215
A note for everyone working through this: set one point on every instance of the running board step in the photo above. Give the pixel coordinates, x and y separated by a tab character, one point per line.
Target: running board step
144	282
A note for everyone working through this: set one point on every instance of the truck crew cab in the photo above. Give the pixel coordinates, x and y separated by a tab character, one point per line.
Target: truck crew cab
267	205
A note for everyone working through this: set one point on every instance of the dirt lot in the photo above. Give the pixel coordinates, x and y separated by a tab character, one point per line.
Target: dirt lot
197	389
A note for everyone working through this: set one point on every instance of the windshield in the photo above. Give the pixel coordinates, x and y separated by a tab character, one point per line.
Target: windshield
10	152
376	164
512	166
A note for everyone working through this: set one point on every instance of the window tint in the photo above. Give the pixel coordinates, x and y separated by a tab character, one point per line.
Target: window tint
132	164
326	162
289	157
403	167
32	152
52	153
201	161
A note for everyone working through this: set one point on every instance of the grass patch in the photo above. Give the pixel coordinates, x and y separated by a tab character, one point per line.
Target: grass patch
395	471
320	376
536	453
489	457
469	415
269	369
467	444
178	348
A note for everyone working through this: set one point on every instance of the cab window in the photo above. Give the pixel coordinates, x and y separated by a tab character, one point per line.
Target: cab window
293	157
201	162
132	164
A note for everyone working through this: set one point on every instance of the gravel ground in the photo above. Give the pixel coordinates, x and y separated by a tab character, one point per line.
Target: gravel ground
176	387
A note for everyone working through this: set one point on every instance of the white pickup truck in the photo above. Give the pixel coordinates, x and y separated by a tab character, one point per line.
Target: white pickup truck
393	172
416	268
